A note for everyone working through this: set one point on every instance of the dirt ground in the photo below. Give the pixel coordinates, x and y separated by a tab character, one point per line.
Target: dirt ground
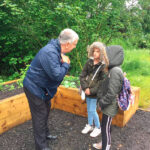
6	92
134	136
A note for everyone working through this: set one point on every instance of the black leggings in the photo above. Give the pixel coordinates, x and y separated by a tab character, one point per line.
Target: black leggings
106	132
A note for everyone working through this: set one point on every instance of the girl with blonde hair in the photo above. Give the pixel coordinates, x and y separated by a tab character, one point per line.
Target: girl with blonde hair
93	72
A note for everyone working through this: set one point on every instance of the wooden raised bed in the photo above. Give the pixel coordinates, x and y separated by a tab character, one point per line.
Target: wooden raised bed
15	110
69	100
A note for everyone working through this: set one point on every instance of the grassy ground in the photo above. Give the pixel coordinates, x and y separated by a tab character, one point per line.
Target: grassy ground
137	64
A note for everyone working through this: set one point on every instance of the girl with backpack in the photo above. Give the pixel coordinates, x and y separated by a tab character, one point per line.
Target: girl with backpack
93	72
107	94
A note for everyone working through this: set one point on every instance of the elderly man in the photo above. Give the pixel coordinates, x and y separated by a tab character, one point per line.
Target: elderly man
43	77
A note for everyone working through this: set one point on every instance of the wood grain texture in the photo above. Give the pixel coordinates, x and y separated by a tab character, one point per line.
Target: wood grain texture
15	110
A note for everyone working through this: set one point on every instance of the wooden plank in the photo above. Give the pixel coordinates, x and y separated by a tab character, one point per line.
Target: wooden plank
117	120
129	113
12	97
9	82
15	110
70	105
70	101
14	120
71	93
144	109
14	105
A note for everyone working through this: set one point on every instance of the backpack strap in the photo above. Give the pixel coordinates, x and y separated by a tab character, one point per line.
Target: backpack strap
118	68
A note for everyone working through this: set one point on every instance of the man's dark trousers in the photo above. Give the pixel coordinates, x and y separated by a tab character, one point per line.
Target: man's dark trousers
40	111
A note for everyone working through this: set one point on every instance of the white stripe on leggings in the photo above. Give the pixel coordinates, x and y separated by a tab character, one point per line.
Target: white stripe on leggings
108	132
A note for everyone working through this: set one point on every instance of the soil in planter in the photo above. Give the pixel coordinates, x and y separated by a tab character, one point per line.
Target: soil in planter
10	90
134	136
14	88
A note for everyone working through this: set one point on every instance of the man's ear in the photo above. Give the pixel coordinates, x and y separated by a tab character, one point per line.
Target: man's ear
67	45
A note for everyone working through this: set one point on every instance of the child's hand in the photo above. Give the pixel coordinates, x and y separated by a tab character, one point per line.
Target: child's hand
98	107
124	74
87	91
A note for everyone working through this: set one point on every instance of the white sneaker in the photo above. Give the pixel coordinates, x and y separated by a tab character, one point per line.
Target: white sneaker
87	129
95	132
97	145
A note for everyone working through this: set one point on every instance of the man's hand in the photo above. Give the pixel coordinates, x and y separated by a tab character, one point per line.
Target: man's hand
65	59
87	91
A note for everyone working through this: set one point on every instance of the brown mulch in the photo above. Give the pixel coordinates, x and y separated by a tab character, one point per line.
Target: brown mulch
134	136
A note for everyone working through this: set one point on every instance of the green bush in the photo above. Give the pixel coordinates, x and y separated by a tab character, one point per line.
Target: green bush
26	26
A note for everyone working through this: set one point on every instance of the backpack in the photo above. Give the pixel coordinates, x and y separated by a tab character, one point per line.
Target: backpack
124	97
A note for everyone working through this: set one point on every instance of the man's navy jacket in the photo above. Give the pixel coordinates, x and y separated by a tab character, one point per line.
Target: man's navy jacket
46	71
